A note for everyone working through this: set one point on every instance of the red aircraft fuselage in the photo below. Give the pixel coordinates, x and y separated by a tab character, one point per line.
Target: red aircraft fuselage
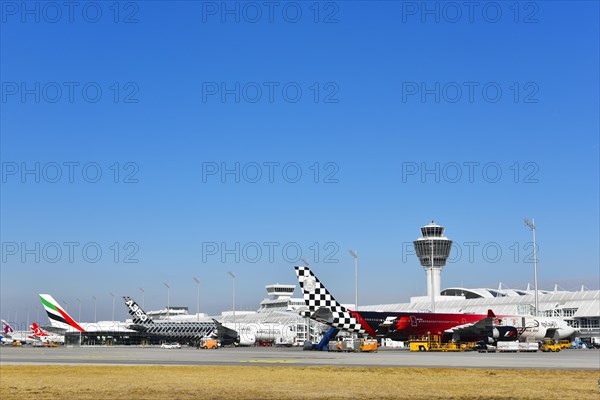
404	326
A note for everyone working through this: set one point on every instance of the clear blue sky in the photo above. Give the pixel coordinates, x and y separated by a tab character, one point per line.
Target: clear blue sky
378	120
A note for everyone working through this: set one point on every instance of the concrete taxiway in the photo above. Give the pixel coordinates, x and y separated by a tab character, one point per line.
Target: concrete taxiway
567	359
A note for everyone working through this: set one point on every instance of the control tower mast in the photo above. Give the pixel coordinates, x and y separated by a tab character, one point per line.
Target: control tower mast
433	249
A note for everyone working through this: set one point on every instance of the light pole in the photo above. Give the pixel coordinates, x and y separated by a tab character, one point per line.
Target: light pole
197	298
233	276
168	298
531	225
307	322
355	255
27	308
79	319
95	308
66	310
142	290
113	314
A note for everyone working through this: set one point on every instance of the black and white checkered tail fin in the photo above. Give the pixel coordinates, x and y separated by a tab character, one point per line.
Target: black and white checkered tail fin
322	306
315	294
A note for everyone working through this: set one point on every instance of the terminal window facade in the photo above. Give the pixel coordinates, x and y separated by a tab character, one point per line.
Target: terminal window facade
569	312
276	305
281	289
562	313
589	323
526	309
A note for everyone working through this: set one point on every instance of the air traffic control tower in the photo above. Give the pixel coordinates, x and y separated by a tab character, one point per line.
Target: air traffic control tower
433	249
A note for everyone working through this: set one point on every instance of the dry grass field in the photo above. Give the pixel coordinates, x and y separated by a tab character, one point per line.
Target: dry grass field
280	382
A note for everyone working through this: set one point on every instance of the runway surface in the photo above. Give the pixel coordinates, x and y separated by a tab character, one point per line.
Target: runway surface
567	359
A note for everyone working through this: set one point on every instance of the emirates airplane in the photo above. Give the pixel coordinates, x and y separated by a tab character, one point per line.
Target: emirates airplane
62	321
402	326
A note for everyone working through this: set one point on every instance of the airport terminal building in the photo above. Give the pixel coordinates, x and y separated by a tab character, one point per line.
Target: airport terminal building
278	317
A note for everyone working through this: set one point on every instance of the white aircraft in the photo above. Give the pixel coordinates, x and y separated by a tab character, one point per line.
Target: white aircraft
253	332
535	329
44	337
60	319
10	335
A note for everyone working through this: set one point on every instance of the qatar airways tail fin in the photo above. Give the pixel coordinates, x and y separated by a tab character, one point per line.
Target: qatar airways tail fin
6	328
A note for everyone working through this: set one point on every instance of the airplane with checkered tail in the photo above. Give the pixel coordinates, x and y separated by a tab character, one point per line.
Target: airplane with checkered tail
322	307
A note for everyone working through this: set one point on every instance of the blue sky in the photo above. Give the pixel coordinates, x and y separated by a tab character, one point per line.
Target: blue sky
502	107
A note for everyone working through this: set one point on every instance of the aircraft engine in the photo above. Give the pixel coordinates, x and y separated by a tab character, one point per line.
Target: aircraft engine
504	333
247	339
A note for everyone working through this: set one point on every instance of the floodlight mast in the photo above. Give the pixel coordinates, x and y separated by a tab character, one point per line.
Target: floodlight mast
113	305
95	308
79	316
197	298
531	225
355	255
233	277
143	295
168	298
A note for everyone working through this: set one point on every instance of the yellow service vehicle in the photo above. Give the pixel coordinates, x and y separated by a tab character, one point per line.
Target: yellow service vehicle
550	345
434	343
564	344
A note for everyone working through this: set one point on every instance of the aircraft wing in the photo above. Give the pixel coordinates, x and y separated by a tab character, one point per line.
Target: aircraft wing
474	328
137	327
225	334
54	330
480	328
322	314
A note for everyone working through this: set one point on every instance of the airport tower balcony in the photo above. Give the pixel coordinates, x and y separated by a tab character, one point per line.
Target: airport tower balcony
433	250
